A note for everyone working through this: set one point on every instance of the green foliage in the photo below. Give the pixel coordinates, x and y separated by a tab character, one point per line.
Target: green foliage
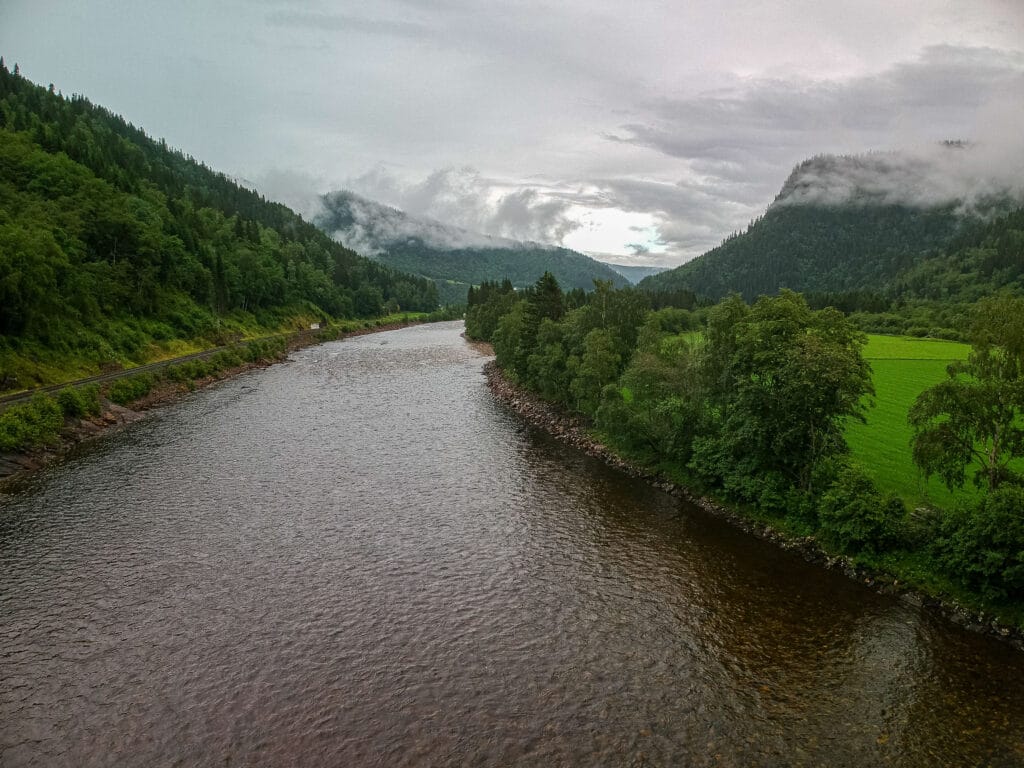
485	306
79	402
983	545
598	367
127	390
512	338
783	380
855	517
33	425
984	259
654	408
976	416
265	349
815	248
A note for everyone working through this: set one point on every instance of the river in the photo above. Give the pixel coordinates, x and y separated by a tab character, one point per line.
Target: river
358	558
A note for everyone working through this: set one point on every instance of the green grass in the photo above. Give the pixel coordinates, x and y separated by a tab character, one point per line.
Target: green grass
903	367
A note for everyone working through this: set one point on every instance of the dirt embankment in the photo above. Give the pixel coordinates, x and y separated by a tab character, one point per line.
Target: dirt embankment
573	430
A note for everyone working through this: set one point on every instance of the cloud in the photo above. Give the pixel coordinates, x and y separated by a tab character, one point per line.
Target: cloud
738	143
299	191
464	198
969	176
342	22
370	228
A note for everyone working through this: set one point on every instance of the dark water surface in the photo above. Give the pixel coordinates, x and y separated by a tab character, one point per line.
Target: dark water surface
357	558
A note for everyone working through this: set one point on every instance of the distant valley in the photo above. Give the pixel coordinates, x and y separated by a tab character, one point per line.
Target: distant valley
454	257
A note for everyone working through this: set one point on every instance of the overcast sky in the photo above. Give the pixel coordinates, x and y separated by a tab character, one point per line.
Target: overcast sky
643	131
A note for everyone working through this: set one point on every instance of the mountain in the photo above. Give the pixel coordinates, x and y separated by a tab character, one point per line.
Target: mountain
845	224
115	248
636	274
455	257
984	259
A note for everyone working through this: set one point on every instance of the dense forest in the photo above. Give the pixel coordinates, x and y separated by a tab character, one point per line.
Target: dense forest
449	254
112	243
862	248
748	403
816	248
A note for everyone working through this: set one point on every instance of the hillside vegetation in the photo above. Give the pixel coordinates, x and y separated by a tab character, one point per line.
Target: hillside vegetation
447	253
854	232
811	248
116	249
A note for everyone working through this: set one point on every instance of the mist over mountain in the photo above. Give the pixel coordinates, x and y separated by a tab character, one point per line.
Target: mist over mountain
972	177
848	223
454	256
635	273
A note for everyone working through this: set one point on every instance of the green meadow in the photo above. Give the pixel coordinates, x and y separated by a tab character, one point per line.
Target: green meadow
903	367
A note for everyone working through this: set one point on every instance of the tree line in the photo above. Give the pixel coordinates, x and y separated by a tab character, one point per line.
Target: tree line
748	402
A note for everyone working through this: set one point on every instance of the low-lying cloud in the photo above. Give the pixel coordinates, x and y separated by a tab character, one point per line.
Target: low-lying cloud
463	198
971	177
370	228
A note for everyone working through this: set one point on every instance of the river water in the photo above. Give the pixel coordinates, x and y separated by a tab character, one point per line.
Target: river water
358	558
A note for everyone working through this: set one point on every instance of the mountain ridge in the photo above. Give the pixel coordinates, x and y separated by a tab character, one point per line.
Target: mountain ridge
844	223
448	253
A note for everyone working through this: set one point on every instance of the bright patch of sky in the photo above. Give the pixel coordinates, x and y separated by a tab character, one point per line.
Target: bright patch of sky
598	228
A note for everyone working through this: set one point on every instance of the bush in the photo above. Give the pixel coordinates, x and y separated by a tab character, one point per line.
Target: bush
265	349
983	546
124	391
854	517
32	425
83	401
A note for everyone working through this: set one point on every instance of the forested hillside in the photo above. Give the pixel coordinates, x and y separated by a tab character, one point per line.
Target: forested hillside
906	226
816	248
448	253
986	258
112	245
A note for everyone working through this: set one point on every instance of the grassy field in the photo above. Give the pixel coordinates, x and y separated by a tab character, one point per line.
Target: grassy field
903	367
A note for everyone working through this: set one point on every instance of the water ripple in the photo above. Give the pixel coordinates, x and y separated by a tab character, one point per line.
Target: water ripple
357	558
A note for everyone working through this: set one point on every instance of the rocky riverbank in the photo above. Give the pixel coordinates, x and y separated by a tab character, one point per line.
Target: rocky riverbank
573	431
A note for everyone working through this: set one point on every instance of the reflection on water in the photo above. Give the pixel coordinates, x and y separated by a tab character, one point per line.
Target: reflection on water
357	558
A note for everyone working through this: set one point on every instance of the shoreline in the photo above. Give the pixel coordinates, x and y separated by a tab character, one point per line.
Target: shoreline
571	429
16	467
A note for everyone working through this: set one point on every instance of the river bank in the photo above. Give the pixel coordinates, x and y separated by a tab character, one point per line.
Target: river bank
572	430
16	466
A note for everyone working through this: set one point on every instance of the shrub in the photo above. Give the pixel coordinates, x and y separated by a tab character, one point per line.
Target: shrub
265	349
124	391
32	425
71	402
83	401
227	358
983	546
854	517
